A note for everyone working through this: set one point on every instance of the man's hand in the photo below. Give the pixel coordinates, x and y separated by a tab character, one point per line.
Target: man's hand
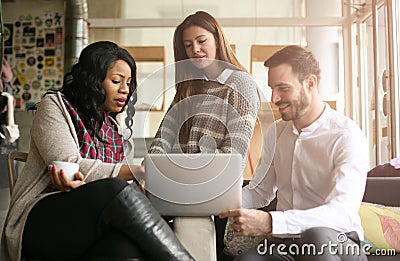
249	222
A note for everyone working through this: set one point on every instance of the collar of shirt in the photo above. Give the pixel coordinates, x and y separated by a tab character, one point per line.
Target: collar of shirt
223	77
315	125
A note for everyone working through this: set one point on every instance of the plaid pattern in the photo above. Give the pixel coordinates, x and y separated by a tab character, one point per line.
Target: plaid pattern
223	119
106	146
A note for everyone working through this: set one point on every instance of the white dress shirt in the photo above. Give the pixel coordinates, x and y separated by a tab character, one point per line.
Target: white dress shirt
319	175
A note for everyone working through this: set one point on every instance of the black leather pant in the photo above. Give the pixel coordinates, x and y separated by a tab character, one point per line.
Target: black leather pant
101	220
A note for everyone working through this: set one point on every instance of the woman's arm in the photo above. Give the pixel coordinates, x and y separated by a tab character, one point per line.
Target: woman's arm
166	134
131	172
54	136
244	104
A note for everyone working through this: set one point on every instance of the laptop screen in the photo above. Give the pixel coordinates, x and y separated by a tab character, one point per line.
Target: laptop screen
193	184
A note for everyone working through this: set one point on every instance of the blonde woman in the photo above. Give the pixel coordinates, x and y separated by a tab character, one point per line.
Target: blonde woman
214	110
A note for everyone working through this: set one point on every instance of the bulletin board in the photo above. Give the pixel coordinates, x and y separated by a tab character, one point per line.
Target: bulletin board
33	46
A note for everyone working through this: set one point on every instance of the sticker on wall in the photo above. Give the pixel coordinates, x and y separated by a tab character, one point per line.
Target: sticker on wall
35	85
30	105
22	66
57	19
16	82
38	21
22	79
29	31
16	90
40	33
49	62
28	17
49	83
33	45
39	42
59	36
49	40
8	50
31	42
8	34
26	96
49	72
49	22
29	45
18	103
20	55
31	61
49	52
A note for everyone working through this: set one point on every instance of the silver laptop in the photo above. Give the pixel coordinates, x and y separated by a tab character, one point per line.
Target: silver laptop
194	184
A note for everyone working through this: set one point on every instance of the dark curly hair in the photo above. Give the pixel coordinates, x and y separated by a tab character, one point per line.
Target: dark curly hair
82	86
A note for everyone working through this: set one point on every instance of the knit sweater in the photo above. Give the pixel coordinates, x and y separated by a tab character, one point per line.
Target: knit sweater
53	137
223	118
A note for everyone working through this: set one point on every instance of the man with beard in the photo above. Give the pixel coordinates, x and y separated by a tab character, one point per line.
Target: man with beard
315	162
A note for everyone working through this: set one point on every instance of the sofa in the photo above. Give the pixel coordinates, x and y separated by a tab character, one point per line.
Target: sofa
379	190
383	191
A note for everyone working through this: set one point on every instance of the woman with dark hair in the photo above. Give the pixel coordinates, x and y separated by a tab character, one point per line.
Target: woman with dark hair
98	215
214	111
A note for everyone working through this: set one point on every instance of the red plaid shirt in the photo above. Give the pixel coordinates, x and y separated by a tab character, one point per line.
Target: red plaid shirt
106	145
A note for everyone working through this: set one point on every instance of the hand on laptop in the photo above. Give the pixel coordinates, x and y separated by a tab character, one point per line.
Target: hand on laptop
249	222
142	186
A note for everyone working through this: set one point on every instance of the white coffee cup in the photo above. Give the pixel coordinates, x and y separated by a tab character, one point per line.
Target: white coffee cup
70	168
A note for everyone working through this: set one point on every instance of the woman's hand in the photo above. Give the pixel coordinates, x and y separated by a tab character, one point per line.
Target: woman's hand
131	172
61	182
142	186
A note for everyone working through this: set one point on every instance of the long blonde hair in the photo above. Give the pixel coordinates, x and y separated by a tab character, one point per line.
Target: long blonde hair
224	52
188	78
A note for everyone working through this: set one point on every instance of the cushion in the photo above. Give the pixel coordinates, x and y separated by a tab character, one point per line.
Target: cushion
197	235
381	226
235	245
390	169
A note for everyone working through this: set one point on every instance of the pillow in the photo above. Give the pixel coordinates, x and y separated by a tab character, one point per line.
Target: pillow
235	245
381	227
390	169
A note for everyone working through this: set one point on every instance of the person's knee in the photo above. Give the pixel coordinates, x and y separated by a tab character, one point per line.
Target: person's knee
108	185
317	235
113	246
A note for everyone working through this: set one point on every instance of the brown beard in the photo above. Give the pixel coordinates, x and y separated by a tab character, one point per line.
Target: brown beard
298	107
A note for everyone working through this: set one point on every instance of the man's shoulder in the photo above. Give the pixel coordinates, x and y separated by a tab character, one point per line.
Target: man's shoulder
342	126
339	121
278	126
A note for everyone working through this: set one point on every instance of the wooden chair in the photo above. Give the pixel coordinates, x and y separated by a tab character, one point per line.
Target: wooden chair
260	53
12	157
